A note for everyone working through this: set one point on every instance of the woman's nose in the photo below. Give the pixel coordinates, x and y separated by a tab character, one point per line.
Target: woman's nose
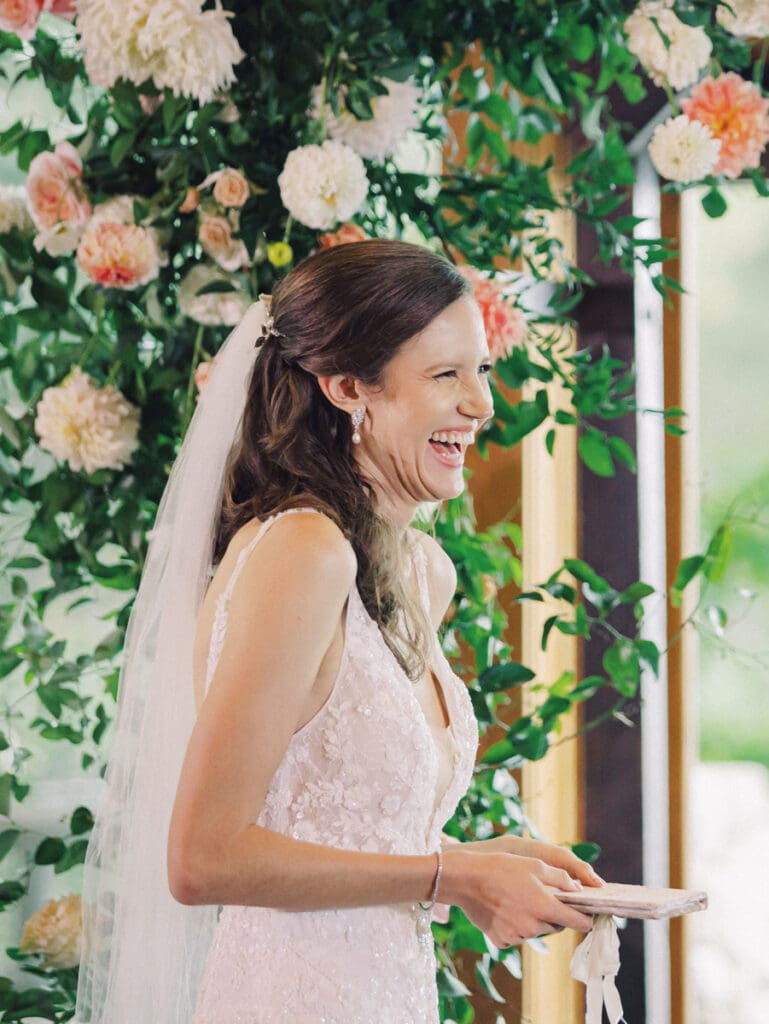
477	402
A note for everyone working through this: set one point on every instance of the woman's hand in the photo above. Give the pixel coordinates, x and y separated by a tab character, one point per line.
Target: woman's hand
556	856
509	896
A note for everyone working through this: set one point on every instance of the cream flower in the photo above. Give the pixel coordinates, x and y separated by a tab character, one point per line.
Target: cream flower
213	308
686	53
87	426
54	931
180	46
746	18
13	210
376	138
683	150
322	185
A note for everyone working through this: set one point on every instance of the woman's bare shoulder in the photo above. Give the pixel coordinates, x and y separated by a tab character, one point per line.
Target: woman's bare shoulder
302	545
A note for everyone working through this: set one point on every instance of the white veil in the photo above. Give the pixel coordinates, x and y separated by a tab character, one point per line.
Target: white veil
144	953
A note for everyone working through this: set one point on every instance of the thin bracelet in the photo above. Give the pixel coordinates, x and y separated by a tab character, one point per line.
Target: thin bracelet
436	883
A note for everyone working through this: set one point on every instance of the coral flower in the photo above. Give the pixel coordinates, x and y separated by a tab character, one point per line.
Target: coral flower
504	321
348	232
118	255
737	114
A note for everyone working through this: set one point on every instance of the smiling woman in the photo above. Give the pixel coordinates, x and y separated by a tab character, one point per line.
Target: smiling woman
301	701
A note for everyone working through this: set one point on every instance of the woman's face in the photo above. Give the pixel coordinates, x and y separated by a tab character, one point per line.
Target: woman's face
433	399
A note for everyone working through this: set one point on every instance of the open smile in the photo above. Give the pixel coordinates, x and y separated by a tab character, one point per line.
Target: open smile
449	446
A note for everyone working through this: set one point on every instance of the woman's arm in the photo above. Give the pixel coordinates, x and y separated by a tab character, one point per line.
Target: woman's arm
284	612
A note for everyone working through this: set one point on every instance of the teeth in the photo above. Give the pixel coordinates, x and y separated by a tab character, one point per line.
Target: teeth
461	437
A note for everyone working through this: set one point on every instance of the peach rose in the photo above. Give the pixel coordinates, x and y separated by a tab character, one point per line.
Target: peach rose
346	233
191	201
215	235
119	255
55	189
202	371
231	189
54	933
20	16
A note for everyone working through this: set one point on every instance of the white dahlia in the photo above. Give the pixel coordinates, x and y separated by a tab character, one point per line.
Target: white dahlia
213	308
679	60
323	185
684	150
746	18
176	43
377	138
87	426
13	210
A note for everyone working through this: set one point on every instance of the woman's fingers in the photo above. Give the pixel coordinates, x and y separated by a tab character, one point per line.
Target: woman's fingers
558	878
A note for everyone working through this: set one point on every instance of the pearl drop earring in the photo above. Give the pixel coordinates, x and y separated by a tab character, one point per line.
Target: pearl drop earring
357	419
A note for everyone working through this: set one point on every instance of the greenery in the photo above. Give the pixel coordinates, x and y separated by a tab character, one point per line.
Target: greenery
538	70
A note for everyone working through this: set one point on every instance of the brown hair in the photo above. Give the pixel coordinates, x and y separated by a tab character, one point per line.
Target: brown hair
344	310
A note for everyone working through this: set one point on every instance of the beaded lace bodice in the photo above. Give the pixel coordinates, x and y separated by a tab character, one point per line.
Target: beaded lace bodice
362	774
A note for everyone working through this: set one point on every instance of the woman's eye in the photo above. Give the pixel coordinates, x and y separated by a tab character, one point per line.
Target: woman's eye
446	373
484	368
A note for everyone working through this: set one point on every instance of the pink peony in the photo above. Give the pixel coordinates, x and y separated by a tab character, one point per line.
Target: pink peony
737	115
346	233
118	255
20	16
55	188
504	321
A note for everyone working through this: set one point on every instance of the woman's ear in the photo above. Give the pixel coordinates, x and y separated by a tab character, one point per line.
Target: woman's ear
345	392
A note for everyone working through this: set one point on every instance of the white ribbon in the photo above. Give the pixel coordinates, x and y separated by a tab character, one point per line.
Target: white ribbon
595	963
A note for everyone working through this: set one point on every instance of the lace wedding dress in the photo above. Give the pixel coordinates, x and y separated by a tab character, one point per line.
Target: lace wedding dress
363	774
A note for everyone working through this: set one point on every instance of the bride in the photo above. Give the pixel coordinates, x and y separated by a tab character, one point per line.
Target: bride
291	739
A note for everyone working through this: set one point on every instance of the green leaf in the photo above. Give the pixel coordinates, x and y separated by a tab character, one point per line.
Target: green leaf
622	663
550	440
622	452
50	851
586	574
582	43
714	204
498	109
718	553
649	654
504	676
687	570
595	453
10	892
7	841
636	592
499	753
73	855
589	852
468	83
121	147
81	821
544	78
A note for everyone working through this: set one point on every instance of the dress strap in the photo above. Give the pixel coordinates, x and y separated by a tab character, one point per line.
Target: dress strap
219	626
420	566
